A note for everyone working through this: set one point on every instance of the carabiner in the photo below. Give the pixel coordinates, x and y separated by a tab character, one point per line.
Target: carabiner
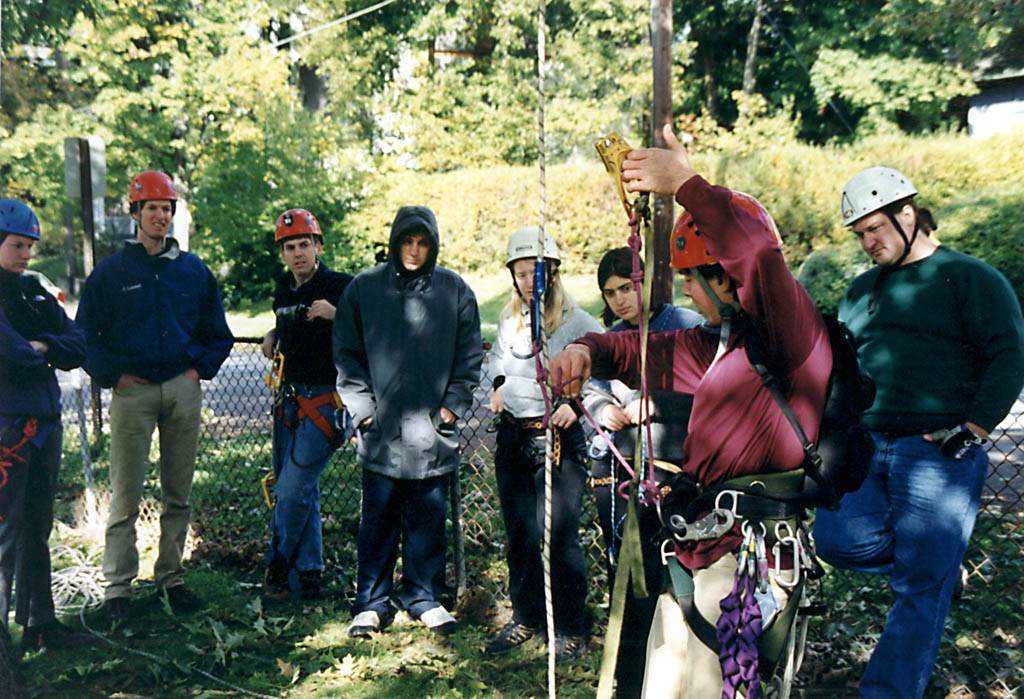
790	540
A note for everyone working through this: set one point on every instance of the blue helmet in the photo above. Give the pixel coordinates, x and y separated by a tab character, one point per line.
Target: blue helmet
16	217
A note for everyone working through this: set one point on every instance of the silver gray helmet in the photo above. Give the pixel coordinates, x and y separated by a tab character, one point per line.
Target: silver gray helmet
523	244
872	189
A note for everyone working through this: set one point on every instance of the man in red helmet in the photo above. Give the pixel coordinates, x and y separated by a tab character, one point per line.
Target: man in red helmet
305	431
154	326
728	249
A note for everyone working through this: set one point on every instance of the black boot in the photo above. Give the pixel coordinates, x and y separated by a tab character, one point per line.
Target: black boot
275	581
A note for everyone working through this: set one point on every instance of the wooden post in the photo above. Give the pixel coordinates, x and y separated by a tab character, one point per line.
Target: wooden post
88	220
663	204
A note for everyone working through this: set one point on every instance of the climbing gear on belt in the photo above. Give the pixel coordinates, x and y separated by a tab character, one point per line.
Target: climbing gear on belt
267	482
275	377
956	442
556	447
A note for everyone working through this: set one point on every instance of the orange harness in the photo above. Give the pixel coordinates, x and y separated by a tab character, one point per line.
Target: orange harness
309	408
8	455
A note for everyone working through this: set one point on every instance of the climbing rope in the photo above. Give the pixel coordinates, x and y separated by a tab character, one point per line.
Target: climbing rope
540	348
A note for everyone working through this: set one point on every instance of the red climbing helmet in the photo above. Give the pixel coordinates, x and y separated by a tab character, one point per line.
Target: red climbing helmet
688	248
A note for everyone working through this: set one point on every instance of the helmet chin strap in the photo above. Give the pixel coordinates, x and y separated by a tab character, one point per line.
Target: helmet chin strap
727	311
889	269
907	244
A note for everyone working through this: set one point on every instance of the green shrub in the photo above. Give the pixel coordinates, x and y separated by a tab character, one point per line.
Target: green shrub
963	180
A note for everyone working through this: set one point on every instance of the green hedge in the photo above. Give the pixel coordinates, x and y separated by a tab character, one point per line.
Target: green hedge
974	186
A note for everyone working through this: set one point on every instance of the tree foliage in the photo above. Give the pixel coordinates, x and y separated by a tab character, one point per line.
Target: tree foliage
270	105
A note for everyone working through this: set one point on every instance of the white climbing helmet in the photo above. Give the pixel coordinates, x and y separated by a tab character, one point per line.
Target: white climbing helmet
523	244
870	190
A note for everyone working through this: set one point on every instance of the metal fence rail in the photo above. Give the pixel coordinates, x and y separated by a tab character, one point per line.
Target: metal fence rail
231	518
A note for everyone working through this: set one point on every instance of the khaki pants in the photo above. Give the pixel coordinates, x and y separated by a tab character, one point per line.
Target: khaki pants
173	408
678	664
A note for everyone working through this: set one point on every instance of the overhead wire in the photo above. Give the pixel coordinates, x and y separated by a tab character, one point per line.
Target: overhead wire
332	23
781	35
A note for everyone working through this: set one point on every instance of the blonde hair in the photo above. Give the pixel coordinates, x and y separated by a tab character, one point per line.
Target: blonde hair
556	303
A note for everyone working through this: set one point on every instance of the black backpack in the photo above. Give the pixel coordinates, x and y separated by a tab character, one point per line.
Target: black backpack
839	462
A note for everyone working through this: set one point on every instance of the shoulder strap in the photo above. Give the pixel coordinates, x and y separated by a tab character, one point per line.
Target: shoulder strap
812	459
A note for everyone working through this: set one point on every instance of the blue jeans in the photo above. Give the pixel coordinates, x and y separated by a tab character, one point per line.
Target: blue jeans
301	452
911	520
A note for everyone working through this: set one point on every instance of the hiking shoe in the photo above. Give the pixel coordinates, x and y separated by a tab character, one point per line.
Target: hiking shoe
117	608
275	583
54	636
181	600
568	647
309	584
439	621
365	623
512	636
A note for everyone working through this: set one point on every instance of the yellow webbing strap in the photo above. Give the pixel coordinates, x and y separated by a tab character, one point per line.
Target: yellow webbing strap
630	563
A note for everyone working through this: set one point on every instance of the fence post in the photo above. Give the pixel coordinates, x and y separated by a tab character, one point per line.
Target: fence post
460	544
78	383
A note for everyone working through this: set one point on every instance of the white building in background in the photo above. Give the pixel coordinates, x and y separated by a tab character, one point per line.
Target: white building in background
999	106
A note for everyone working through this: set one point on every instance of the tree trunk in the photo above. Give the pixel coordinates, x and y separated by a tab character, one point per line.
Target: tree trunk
710	96
11	683
750	65
661	46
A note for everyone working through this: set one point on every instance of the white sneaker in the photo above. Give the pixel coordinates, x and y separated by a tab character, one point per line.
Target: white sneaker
439	621
364	624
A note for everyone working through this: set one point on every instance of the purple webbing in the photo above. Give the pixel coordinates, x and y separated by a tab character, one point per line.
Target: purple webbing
737	631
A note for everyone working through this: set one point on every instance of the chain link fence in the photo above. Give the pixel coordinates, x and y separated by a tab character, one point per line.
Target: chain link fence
981	651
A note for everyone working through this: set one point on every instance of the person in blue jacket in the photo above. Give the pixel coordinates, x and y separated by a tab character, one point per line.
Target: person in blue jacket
408	351
35	338
154	326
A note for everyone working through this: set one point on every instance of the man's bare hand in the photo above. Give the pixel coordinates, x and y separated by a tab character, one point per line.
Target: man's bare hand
39	346
660	170
613	418
321	309
127	380
632	411
268	344
563	417
497	402
447	416
573	362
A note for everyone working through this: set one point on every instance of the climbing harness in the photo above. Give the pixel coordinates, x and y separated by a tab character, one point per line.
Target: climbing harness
753	634
11	446
308	408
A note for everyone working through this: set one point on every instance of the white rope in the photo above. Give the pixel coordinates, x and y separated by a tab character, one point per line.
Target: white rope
549	611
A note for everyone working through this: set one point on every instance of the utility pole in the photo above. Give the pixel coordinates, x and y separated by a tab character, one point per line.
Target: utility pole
664	215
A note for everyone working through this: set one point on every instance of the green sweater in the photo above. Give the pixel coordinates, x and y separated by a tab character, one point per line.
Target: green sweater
944	343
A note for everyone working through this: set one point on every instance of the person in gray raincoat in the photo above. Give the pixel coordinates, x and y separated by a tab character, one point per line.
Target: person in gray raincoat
408	351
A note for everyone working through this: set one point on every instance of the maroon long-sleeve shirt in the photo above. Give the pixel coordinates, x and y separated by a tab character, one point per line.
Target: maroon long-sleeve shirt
736	428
